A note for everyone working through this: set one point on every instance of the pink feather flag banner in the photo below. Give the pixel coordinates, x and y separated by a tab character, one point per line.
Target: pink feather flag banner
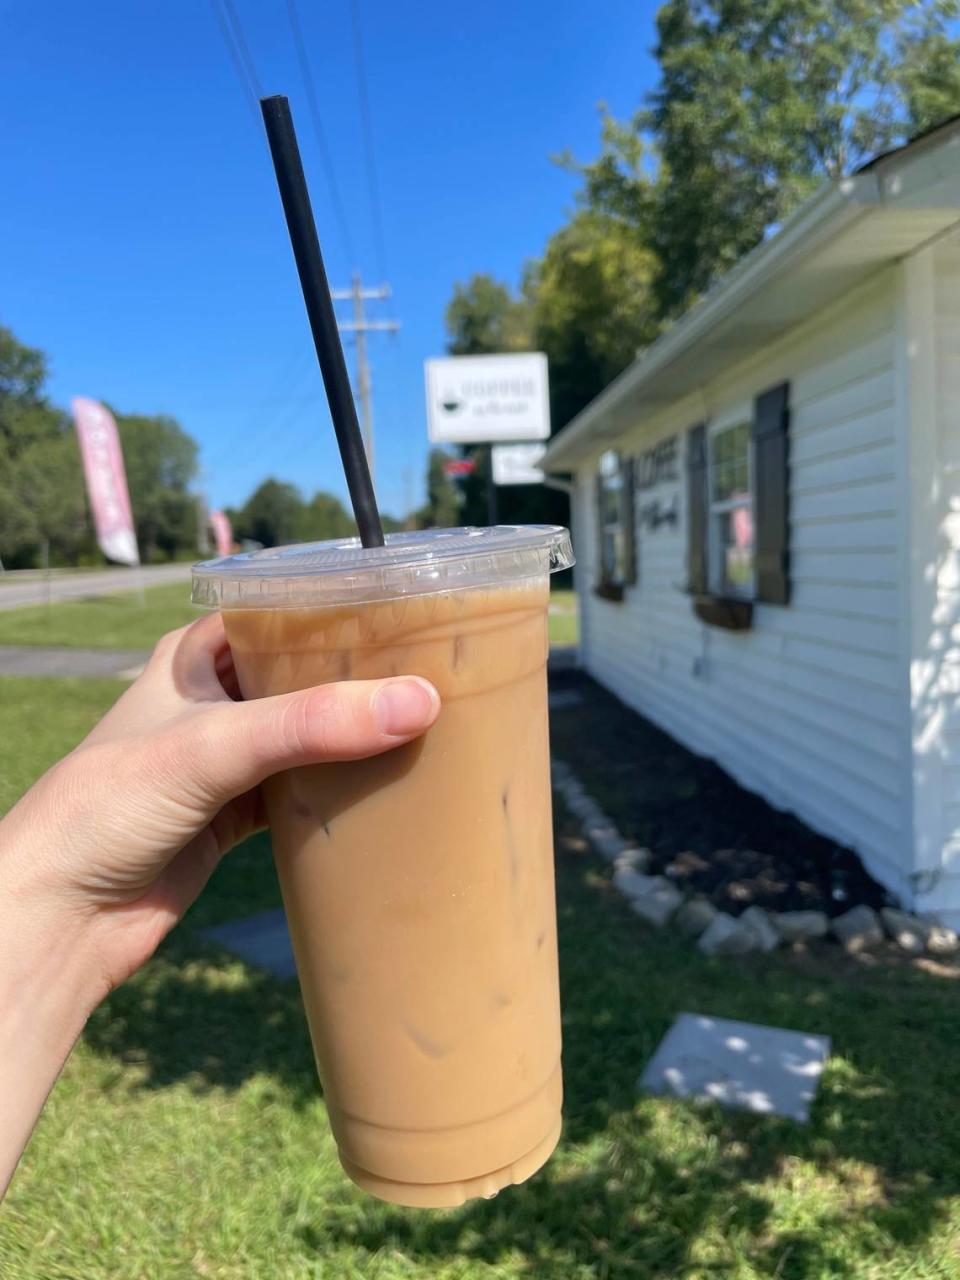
106	480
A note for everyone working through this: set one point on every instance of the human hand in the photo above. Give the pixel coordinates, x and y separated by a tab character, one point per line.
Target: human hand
113	844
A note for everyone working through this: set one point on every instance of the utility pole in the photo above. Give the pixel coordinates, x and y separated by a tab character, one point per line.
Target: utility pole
361	326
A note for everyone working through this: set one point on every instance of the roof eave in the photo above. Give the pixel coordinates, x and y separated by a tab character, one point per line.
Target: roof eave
820	218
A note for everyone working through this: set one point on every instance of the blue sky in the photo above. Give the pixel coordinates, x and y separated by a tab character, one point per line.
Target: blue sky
141	239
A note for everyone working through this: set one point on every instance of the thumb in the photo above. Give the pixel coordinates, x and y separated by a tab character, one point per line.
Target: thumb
238	744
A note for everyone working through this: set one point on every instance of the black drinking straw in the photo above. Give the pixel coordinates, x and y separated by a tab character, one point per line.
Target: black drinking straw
323	322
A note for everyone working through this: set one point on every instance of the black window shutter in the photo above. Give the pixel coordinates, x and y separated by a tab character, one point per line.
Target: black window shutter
601	568
771	423
629	522
697	510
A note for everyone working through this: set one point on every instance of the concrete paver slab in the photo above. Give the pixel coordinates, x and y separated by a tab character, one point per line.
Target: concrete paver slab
262	940
738	1064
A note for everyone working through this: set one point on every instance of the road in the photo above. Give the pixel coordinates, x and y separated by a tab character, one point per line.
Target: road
18	590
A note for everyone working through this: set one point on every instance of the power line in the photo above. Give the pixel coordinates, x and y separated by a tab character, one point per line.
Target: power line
247	85
373	182
279	433
244	51
293	374
274	430
318	130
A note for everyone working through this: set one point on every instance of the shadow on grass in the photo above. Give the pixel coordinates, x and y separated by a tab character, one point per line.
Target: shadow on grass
638	1188
651	1189
198	1014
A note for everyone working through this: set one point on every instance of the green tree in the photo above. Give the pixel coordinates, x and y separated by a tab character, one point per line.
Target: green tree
326	517
442	508
758	101
160	460
587	304
41	495
18	528
25	414
484	317
41	478
272	515
23	369
592	306
49	474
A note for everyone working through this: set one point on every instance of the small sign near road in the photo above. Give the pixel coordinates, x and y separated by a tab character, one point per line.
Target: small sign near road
459	467
517	463
481	399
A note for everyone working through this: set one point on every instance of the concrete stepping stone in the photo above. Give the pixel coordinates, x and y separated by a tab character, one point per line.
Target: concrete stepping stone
738	1064
262	940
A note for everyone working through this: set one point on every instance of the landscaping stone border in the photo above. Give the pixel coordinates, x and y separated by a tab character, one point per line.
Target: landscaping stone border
659	902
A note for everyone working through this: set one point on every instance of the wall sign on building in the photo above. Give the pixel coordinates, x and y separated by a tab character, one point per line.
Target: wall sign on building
653	469
658	465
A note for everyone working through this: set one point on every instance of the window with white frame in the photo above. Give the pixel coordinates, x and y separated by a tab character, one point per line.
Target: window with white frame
731	521
615	519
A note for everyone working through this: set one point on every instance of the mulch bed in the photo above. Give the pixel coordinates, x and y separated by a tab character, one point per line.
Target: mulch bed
705	831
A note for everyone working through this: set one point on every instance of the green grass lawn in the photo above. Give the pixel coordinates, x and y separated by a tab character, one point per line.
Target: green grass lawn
563	617
121	622
117	621
42	719
187	1138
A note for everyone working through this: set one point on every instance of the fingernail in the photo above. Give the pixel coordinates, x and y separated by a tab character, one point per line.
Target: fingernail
404	706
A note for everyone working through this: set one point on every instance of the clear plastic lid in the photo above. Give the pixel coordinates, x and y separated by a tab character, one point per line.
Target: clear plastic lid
344	572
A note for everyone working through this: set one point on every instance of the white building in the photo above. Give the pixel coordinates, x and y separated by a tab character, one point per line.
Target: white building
767	521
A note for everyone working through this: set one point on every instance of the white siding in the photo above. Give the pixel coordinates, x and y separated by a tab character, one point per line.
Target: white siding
808	707
936	684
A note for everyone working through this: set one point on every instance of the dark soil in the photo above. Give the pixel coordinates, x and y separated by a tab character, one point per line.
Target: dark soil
705	831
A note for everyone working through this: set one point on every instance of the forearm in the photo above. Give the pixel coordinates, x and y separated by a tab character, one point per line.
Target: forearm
47	990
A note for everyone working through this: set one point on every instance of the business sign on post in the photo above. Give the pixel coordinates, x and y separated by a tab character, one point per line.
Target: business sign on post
480	399
106	480
222	532
517	463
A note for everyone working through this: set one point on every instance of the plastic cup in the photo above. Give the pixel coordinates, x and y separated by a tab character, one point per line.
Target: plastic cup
418	885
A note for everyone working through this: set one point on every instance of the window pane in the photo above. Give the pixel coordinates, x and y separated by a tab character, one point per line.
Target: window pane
735	544
610	464
730	462
611	504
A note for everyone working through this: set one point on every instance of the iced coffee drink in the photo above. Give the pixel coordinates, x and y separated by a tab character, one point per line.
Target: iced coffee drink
419	884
